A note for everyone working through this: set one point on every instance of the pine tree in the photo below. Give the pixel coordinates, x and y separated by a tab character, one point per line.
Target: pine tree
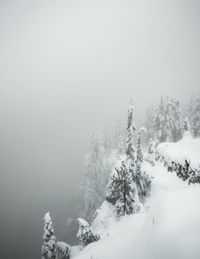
122	191
186	127
194	116
152	150
167	120
98	164
49	245
175	119
85	235
149	124
142	180
119	138
130	150
63	250
159	121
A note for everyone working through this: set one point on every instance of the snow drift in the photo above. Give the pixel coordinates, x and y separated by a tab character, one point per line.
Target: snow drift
169	229
187	149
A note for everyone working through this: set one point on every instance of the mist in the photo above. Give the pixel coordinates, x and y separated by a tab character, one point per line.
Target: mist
67	69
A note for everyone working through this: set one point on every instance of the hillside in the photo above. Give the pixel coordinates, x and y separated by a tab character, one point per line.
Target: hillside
169	227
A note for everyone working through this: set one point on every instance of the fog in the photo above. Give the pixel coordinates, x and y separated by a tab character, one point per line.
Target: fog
68	68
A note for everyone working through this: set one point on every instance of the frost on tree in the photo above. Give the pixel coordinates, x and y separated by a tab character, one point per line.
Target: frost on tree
167	120
152	154
63	250
49	245
149	124
85	235
186	127
98	164
119	137
142	180
130	151
194	116
122	191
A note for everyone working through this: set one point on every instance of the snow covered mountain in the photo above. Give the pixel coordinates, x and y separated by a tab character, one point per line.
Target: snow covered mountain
168	228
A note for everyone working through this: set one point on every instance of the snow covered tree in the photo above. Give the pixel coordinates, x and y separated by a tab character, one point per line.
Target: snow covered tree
186	127
194	116
159	121
175	118
49	245
149	123
139	148
98	164
130	150
167	120
85	235
63	250
142	180
119	137
122	191
152	151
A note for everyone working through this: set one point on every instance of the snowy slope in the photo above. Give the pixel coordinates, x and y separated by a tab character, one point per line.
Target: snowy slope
187	148
169	229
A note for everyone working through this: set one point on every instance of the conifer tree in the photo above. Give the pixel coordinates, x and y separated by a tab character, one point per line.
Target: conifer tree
85	235
149	123
138	161
130	150
194	116
142	180
63	250
49	245
159	121
167	120
186	127
98	165
119	136
122	191
175	118
151	156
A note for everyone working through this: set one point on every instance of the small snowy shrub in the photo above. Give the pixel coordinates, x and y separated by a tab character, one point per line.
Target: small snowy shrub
85	235
182	157
63	250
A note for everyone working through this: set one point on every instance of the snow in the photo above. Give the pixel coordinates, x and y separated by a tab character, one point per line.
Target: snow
169	229
75	250
172	227
47	217
83	228
187	149
105	219
62	245
83	222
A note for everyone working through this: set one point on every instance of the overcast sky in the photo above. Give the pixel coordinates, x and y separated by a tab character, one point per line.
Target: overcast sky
68	68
